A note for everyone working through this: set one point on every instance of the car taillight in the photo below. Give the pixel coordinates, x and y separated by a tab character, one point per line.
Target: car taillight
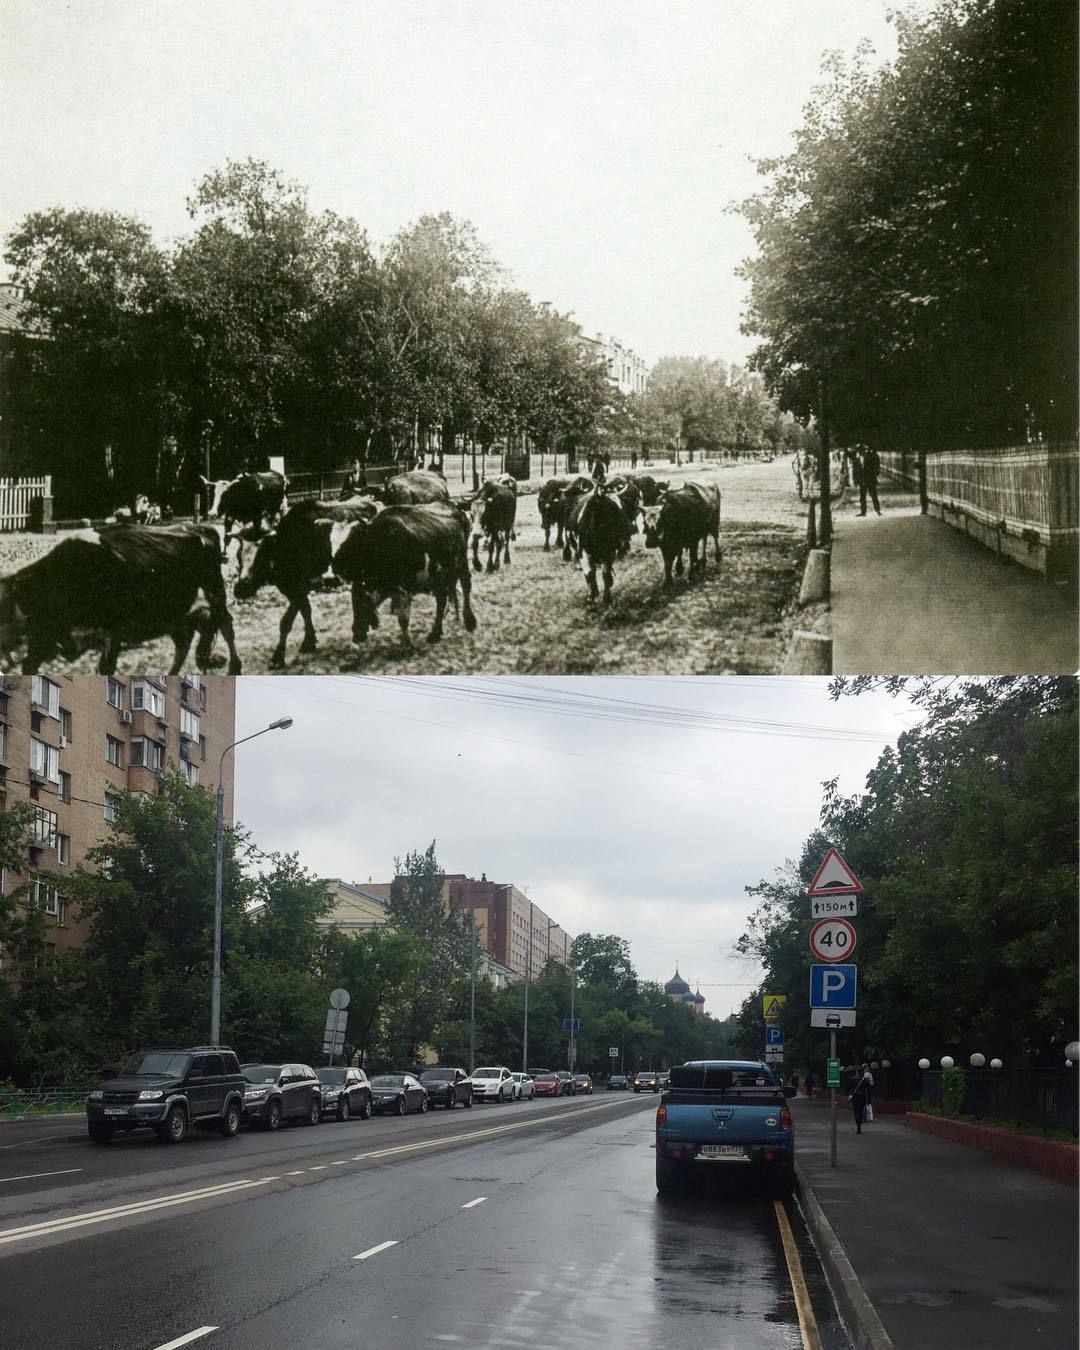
661	1115
785	1118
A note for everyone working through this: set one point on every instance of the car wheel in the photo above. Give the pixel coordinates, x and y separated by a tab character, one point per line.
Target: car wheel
230	1121
344	1110
399	1109
272	1118
366	1109
468	1101
100	1134
423	1105
451	1102
175	1128
314	1115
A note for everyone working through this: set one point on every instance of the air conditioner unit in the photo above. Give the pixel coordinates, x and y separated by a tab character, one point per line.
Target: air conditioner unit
125	717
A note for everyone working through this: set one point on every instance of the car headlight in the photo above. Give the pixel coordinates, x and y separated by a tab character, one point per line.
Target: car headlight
151	1095
251	1093
96	1096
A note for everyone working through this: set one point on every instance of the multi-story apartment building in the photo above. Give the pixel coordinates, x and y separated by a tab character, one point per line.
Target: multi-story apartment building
626	369
71	745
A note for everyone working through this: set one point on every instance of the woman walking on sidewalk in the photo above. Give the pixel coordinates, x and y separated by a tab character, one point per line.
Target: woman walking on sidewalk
861	1096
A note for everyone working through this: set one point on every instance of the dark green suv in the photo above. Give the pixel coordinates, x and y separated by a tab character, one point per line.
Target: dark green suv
168	1089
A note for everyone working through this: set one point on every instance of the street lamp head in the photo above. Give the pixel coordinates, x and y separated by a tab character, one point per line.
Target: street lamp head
1072	1051
886	1063
977	1061
924	1063
947	1061
995	1063
282	724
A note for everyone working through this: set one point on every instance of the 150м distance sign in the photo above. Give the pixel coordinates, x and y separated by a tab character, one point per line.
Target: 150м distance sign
832	940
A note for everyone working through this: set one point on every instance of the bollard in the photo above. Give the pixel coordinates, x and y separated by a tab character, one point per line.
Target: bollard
809	654
816	577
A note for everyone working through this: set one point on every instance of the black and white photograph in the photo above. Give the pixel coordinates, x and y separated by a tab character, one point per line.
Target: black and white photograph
635	338
539	698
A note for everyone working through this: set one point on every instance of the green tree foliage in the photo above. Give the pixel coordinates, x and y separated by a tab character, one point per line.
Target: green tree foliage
965	842
915	281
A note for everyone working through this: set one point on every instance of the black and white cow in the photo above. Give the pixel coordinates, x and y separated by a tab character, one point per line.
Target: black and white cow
687	516
597	525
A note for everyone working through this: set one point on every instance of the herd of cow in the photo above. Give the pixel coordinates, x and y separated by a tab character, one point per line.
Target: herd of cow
138	581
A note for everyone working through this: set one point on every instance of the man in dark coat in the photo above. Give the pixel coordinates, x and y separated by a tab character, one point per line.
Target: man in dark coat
861	1095
869	468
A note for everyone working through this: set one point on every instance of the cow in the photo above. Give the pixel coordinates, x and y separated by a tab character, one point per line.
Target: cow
493	510
297	556
248	499
130	585
598	524
687	516
651	489
552	508
405	550
628	495
415	488
577	488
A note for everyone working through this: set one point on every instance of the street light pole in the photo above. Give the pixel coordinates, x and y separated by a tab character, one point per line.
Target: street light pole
573	982
282	724
472	993
528	977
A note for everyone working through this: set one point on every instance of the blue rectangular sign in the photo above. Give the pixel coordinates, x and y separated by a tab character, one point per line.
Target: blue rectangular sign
571	1024
832	986
774	1036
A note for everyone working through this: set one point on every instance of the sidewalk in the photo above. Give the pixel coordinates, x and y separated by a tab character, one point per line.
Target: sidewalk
913	596
954	1249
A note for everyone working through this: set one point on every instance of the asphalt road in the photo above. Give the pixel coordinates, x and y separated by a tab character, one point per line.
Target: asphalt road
533	1225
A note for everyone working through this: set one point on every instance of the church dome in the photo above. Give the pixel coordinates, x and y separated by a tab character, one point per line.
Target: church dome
677	985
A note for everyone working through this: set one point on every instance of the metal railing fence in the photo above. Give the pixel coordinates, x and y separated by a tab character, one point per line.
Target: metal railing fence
42	1101
1043	1097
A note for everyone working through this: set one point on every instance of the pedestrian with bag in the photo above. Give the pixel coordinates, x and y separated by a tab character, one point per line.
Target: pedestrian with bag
861	1097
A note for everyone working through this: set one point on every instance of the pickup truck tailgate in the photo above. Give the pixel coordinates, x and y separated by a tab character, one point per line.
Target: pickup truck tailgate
723	1123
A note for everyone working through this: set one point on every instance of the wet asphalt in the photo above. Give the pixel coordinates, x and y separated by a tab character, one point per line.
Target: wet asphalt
546	1234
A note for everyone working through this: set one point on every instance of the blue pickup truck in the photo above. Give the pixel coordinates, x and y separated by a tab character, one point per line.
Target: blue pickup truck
724	1112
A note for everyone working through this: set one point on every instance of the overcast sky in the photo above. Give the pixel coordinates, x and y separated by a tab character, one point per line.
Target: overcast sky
595	145
647	830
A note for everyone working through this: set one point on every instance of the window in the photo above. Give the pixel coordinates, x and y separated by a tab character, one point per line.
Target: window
114	751
45	760
148	697
147	754
44	894
43	830
45	695
112	806
65	787
63	849
114	693
65	725
189	724
190	772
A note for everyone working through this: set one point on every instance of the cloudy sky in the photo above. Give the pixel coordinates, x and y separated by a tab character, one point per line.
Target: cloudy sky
641	807
595	145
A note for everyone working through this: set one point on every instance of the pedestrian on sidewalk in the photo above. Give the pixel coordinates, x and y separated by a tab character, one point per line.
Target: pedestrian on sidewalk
861	1095
811	1084
794	1081
869	467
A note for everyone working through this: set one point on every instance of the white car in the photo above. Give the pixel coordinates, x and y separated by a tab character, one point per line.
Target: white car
524	1088
493	1085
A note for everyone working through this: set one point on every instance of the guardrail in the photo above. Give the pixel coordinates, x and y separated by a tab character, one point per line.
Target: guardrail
43	1101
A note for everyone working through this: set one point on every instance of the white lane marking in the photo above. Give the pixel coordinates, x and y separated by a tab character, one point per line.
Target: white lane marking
321	1168
269	1178
341	1162
186	1340
473	1203
122	1211
371	1251
29	1176
300	1173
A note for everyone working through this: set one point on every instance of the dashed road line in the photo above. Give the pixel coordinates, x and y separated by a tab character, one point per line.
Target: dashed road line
372	1251
30	1176
300	1173
321	1168
195	1335
473	1203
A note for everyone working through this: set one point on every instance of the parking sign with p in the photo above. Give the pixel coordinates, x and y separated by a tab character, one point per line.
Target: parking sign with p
832	986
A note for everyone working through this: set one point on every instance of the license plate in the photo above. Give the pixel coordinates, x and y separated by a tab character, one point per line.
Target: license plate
116	1110
723	1151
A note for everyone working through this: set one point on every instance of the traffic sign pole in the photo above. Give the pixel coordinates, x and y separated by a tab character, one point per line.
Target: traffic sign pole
832	1096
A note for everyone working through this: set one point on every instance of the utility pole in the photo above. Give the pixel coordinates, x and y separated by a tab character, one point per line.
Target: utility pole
573	982
832	1098
472	994
528	977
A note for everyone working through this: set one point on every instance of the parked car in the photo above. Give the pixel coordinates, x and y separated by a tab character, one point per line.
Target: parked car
346	1092
547	1085
618	1081
646	1081
447	1087
397	1093
526	1088
567	1079
493	1084
535	1073
583	1083
277	1092
664	1081
168	1089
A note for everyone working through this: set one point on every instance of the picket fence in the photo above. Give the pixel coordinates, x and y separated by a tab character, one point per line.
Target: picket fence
17	497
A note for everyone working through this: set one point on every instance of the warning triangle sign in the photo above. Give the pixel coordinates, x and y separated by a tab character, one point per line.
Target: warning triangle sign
774	1006
834	877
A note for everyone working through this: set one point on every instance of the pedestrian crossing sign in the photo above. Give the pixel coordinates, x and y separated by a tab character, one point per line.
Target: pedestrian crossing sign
774	1006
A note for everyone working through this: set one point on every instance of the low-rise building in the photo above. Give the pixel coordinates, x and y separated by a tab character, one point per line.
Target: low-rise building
627	370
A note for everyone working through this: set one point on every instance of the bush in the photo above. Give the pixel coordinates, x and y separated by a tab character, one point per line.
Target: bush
953	1088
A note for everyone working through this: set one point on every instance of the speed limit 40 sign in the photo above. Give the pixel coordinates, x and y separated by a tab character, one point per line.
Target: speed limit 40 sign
832	940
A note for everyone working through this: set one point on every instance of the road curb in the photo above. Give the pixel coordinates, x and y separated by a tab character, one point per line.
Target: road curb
865	1326
37	1115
